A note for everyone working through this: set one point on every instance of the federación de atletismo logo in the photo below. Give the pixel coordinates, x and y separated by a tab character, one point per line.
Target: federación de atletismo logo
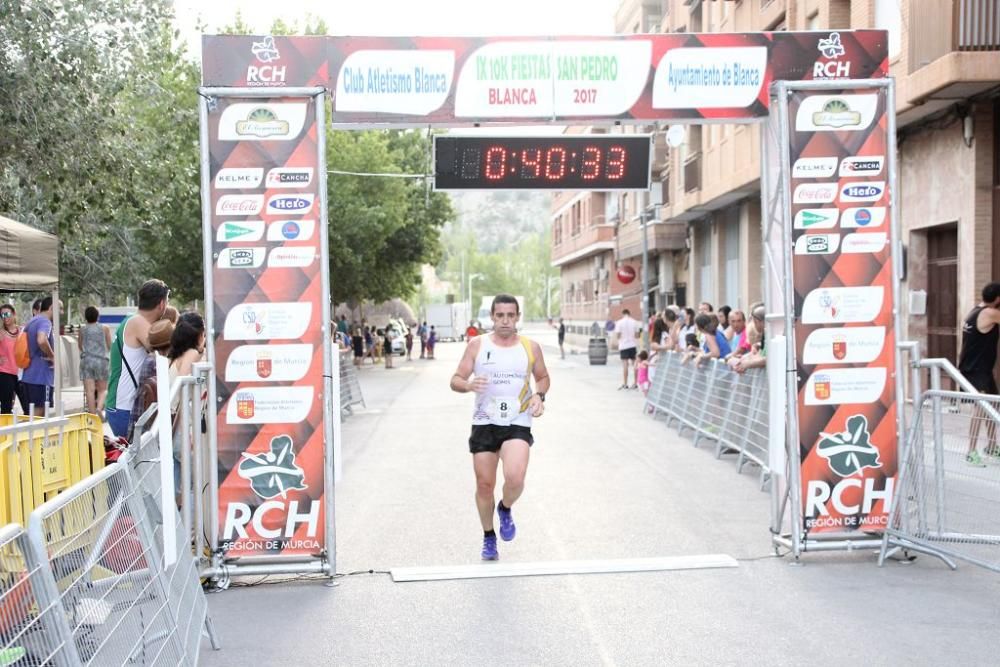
273	473
851	451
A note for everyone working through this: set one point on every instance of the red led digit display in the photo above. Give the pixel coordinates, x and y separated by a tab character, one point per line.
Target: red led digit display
575	162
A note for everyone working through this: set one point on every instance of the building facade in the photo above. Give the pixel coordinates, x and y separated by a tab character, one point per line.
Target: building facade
705	230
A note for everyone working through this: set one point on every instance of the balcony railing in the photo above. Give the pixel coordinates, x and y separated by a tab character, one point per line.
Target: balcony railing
692	173
974	26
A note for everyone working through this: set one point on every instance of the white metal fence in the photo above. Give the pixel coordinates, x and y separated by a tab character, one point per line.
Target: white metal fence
947	501
350	387
88	582
716	403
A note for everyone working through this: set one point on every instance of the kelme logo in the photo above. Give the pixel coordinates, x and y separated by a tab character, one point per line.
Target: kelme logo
851	451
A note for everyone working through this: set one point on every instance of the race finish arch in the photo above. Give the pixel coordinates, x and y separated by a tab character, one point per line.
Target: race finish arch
825	104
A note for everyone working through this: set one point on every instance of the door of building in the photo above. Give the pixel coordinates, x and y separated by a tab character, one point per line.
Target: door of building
942	295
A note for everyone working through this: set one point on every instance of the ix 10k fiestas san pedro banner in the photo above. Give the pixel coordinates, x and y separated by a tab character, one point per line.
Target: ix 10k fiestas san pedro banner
464	80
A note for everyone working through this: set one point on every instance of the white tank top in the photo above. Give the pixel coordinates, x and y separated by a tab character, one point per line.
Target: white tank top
505	401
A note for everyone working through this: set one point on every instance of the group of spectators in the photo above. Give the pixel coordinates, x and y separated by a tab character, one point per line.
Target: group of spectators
27	375
369	342
726	334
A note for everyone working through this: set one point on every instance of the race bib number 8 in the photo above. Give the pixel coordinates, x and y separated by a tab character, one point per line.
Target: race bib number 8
502	410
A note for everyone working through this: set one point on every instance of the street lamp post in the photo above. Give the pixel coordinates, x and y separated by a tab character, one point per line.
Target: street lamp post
548	296
472	276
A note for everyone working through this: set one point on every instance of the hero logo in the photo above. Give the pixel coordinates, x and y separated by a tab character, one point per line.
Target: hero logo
847	454
287	177
298	204
862	165
862	191
832	68
265	74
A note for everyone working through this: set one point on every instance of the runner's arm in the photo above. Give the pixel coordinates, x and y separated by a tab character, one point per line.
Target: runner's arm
540	372
460	380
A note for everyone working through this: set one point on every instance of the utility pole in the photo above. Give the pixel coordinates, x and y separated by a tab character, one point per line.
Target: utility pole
644	279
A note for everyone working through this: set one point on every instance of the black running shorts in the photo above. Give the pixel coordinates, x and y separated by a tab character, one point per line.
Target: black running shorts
627	354
489	437
983	382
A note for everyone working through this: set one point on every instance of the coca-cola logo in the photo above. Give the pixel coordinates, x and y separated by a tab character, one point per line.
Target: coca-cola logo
239	205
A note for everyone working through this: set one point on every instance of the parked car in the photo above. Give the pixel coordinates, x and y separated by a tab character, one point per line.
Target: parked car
398	337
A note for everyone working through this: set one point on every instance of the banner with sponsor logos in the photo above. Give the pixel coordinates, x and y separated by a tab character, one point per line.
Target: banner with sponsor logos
464	80
843	283
267	290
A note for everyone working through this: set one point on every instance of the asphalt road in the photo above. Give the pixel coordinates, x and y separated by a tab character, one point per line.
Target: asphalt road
605	482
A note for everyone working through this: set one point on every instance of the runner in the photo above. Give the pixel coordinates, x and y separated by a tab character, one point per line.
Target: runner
501	364
978	360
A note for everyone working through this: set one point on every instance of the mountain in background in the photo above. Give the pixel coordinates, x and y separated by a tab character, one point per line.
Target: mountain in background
500	219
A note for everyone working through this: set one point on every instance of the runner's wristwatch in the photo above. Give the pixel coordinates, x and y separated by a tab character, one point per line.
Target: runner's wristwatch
541	395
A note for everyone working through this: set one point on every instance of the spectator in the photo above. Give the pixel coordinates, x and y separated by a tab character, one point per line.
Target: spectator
342	324
642	372
170	314
471	331
36	307
39	377
128	352
358	346
688	327
159	343
95	342
369	344
626	330
387	346
432	338
753	355
422	334
715	345
691	344
737	325
669	337
561	337
377	338
704	308
187	347
8	364
409	343
723	314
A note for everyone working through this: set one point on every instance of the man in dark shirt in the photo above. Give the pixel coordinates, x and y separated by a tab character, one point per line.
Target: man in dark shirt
977	361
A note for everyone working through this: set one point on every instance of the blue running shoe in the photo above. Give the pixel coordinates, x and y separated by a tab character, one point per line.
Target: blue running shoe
490	548
507	528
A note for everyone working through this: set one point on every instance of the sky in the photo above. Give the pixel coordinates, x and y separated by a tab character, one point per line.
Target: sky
407	17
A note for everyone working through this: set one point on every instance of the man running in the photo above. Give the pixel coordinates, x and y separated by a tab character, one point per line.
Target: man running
498	368
980	332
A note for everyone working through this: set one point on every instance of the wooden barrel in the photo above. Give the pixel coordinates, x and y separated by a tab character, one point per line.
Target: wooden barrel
597	351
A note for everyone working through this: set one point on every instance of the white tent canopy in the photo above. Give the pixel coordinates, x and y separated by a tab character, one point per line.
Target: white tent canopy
29	258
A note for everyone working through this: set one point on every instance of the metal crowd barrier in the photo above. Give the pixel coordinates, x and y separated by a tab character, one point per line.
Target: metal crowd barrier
944	505
350	387
715	403
90	584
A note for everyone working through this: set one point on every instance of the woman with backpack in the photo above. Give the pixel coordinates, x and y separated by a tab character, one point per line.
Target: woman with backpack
8	365
95	344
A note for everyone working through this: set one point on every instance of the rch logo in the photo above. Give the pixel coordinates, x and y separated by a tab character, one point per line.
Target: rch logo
848	453
273	473
832	50
265	75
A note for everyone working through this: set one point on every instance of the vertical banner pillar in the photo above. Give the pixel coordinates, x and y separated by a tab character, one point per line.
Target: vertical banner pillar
268	311
845	288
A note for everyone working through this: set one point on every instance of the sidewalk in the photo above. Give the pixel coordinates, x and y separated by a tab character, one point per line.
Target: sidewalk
605	481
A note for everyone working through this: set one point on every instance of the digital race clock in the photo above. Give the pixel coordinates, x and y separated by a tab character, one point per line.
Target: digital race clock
567	162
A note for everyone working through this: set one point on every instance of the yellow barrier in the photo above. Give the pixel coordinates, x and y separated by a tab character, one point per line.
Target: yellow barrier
37	464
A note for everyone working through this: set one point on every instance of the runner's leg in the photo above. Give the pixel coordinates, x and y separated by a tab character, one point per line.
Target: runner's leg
485	466
514	454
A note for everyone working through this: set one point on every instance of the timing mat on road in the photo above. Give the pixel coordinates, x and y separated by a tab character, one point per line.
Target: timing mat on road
501	569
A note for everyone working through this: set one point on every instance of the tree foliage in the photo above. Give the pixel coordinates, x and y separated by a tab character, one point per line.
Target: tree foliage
100	144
